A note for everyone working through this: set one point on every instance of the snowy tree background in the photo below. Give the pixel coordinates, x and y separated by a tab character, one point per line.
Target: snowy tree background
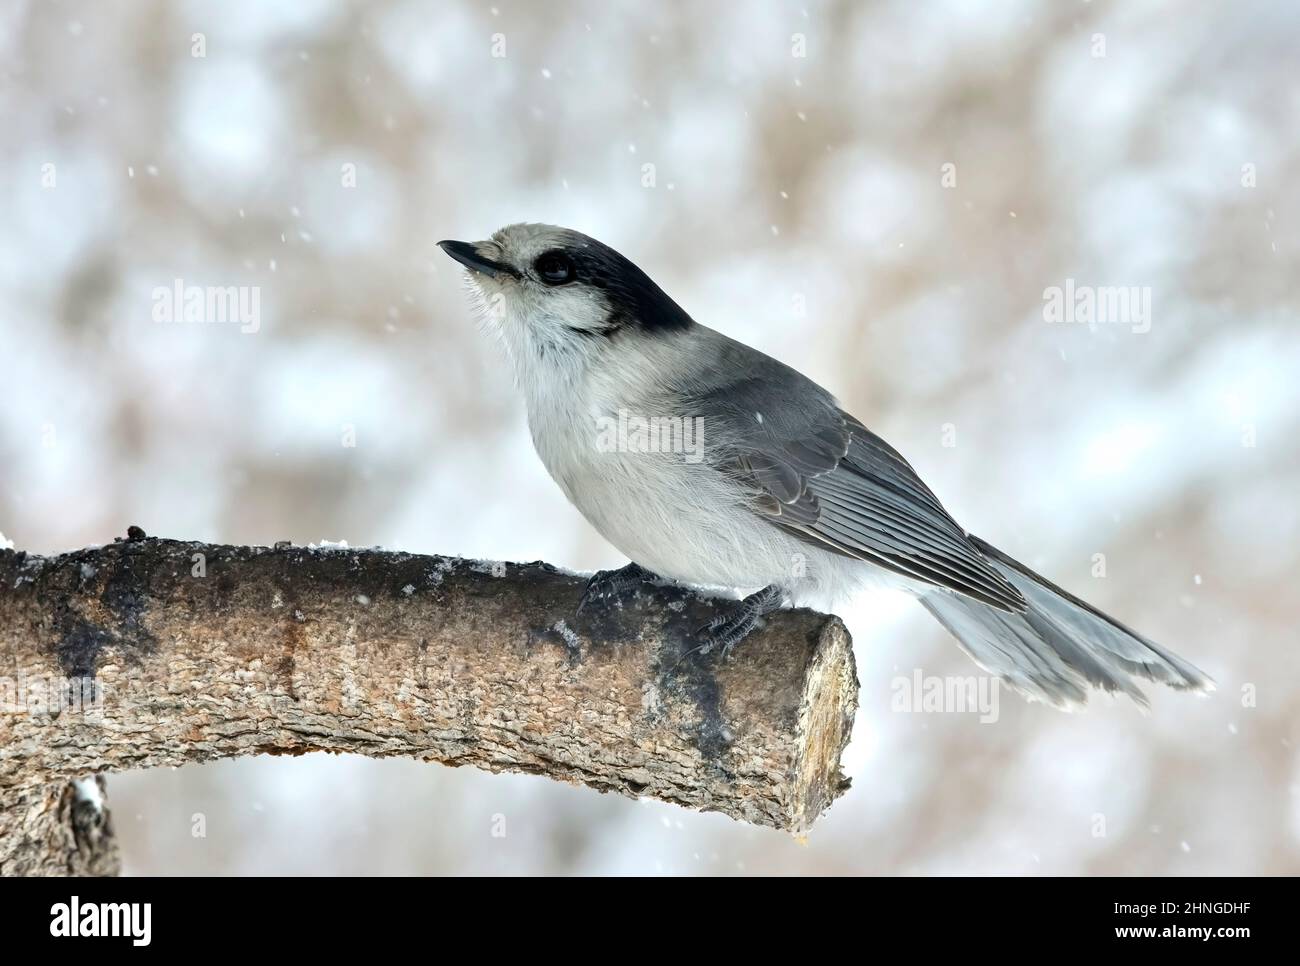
877	193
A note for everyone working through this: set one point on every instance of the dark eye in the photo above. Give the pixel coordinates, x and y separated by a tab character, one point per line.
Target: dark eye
554	268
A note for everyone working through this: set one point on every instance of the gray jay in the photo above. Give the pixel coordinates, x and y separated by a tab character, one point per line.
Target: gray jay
765	484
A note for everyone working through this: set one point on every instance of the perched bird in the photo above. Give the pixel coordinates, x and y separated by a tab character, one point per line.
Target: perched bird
772	487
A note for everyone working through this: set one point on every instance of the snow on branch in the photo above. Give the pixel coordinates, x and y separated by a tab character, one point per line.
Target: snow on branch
150	652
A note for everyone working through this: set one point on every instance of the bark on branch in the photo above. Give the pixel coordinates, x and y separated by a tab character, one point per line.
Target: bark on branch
154	652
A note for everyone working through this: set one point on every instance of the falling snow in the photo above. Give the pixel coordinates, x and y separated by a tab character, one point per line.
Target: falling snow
773	175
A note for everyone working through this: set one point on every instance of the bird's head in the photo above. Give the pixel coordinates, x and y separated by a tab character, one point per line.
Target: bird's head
554	288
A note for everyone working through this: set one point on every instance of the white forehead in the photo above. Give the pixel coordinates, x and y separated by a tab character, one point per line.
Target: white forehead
524	242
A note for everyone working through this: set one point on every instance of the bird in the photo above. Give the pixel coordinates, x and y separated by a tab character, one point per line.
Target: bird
766	485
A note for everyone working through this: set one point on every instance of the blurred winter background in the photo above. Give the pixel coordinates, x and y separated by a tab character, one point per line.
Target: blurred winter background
877	193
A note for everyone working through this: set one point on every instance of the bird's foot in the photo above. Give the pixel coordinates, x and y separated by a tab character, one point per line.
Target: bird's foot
612	583
727	630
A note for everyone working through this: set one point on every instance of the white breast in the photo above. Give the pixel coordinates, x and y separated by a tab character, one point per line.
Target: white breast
678	518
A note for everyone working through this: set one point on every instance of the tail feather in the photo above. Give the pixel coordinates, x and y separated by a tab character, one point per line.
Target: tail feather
1060	644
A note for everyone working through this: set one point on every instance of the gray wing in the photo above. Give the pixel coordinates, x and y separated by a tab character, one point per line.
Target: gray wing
818	473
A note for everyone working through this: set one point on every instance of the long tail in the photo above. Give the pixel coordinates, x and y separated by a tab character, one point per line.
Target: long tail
1060	644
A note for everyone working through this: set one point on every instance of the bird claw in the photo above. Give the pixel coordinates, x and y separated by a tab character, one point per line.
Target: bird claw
724	632
611	583
727	630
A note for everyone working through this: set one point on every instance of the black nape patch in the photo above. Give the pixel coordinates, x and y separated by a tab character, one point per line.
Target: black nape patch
635	300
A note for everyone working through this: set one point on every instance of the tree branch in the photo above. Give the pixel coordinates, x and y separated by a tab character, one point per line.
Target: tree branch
59	829
154	652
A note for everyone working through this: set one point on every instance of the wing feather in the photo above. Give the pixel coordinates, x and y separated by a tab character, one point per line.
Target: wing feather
819	474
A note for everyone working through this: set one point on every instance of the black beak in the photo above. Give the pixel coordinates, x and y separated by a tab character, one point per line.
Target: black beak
467	255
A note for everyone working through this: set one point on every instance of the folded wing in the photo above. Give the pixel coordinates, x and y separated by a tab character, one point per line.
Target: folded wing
818	473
